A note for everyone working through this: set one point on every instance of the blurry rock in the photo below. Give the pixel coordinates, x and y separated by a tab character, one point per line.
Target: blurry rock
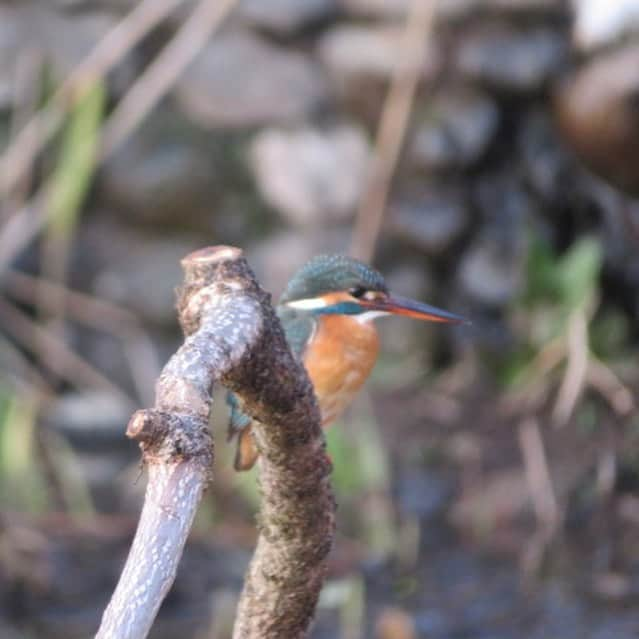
435	624
66	39
544	159
431	219
12	39
162	174
511	60
492	269
504	204
138	270
490	272
275	258
377	8
90	419
424	494
602	22
351	52
311	176
598	114
456	9
286	17
240	80
407	278
456	131
522	6
94	422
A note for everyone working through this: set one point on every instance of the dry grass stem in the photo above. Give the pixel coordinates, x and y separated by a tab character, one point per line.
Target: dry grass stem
107	54
538	477
392	127
574	379
60	359
602	379
162	73
96	314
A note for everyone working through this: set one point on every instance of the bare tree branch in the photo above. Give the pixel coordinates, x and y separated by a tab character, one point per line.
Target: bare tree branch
233	337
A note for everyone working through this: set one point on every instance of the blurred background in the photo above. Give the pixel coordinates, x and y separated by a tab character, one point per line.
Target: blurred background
484	158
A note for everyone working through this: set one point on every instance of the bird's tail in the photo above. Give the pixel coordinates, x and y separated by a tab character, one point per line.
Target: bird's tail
240	426
246	453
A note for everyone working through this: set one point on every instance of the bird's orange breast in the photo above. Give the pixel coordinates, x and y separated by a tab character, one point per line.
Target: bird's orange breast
339	358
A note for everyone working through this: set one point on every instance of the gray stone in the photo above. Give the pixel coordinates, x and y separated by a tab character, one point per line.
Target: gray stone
504	203
286	17
451	9
66	40
355	52
430	219
597	110
13	44
138	270
240	80
95	417
163	174
599	23
456	131
276	257
377	8
423	494
511	60
491	272
311	176
544	160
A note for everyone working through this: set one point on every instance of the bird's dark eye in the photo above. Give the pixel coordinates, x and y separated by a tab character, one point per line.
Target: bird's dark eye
358	291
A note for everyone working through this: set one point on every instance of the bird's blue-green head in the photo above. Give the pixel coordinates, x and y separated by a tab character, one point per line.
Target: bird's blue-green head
337	284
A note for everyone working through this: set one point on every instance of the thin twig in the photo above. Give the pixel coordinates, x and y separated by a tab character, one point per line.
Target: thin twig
107	54
392	127
538	475
99	315
573	383
162	73
23	226
25	102
233	336
61	360
16	367
602	379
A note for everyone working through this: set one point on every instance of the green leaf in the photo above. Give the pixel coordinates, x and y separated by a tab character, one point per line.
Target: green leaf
578	272
541	266
73	173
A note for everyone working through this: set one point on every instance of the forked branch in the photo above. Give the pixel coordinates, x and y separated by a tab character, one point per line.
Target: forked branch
234	337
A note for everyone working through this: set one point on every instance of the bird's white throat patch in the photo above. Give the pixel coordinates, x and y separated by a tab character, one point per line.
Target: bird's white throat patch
368	316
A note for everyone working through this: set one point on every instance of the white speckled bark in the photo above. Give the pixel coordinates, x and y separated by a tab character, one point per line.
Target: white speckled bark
172	496
233	336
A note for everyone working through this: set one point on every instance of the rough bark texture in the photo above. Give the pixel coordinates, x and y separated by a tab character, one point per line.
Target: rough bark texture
232	336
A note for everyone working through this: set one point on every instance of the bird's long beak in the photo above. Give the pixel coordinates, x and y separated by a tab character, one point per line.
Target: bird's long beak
411	308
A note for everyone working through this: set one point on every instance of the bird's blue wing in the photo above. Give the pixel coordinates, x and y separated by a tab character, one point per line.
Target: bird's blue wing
298	328
238	420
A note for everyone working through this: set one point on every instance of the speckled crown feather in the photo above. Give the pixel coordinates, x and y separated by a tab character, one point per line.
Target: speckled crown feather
328	273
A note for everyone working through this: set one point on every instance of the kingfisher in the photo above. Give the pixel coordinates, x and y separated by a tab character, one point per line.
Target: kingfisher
327	312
